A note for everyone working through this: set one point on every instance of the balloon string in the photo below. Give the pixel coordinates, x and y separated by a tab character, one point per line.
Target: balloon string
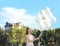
40	34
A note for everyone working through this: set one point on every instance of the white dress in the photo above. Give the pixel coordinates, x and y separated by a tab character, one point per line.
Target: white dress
30	37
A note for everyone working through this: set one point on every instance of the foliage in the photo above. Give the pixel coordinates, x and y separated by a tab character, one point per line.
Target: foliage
17	35
12	35
57	32
1	34
44	37
1	31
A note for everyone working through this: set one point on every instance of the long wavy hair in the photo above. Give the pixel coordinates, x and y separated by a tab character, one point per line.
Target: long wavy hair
27	32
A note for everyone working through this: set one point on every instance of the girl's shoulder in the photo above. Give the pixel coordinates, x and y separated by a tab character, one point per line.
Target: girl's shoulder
26	35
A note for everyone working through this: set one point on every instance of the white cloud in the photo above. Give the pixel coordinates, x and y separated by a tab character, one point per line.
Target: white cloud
14	15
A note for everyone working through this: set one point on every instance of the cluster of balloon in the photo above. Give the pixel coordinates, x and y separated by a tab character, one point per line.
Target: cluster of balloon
45	19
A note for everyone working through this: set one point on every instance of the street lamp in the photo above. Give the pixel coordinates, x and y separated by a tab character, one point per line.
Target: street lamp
8	27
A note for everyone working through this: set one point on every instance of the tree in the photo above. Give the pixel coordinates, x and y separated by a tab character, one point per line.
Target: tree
44	37
1	34
57	32
12	35
23	33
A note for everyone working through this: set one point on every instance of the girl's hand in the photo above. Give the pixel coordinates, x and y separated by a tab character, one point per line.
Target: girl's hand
38	38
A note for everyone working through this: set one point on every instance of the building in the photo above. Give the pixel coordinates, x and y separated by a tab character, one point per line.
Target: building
9	26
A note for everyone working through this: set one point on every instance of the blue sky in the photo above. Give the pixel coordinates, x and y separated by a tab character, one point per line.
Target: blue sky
32	8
